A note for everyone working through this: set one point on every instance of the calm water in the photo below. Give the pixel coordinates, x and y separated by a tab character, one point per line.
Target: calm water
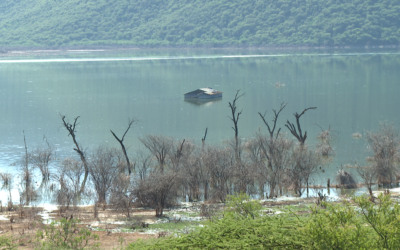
352	90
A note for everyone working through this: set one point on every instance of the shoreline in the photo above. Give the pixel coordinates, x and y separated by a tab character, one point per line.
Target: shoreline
24	51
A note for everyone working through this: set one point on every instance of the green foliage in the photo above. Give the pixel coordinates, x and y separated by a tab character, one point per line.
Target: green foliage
232	232
337	227
194	22
65	234
366	226
363	225
7	243
384	221
168	226
242	205
241	227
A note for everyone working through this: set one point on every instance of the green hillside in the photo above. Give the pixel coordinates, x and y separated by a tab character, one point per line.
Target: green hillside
199	22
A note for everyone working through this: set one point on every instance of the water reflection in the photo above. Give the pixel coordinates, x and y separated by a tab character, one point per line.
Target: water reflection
202	102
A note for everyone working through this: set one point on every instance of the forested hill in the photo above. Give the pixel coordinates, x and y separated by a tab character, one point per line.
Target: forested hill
199	22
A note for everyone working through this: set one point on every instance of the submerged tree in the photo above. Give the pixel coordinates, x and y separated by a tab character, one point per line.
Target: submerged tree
41	158
235	115
385	145
71	128
304	163
367	174
7	184
297	132
104	168
68	177
325	138
28	192
274	151
217	164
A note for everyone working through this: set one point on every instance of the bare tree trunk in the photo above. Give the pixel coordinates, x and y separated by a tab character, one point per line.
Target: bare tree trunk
121	141
235	119
203	140
206	190
26	174
272	189
71	128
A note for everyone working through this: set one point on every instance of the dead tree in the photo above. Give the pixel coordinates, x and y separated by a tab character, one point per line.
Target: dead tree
203	140
275	150
71	128
7	180
325	137
235	119
122	194
121	141
28	191
298	133
191	172
145	163
385	146
104	169
274	120
179	150
304	163
367	174
218	168
158	190
276	153
257	159
69	173
41	158
159	146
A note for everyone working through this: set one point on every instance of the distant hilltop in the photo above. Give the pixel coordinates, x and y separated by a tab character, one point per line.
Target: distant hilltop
211	23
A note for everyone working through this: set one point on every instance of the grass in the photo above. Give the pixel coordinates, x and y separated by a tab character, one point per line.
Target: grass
186	214
172	226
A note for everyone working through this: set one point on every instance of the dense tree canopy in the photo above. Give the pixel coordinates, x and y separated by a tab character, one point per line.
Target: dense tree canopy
199	22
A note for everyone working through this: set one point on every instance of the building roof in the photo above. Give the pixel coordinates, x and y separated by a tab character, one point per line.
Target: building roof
208	91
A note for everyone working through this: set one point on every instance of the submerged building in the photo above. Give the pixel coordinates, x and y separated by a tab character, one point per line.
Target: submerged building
204	93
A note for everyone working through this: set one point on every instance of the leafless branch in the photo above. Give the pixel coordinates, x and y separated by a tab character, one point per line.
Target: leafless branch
121	141
71	128
274	120
298	133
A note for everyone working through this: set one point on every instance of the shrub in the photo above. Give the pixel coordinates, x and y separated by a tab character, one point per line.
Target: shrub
363	225
366	226
65	235
240	228
241	205
7	242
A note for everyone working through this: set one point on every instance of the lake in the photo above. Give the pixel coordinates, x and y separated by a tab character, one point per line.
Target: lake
353	90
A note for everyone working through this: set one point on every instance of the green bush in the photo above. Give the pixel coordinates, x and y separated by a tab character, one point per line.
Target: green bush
7	243
361	225
241	227
242	205
364	226
65	234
